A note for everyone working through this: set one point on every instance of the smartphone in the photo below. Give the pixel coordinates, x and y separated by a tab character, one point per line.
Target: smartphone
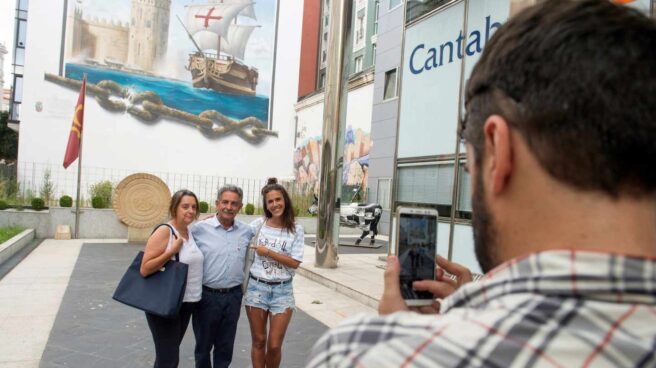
415	246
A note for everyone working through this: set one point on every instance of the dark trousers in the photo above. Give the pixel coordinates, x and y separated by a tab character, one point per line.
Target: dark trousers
168	334
373	227
215	327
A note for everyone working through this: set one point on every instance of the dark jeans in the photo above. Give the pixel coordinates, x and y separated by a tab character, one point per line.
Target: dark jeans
215	327
168	334
373	227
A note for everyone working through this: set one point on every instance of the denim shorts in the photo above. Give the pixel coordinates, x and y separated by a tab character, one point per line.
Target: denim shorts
273	298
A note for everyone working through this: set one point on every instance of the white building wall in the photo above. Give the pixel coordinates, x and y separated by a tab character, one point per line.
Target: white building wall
3	52
112	140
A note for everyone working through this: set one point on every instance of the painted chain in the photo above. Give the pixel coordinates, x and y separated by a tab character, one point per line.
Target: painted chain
148	107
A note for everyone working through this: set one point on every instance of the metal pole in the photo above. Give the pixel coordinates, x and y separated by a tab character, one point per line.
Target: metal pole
456	160
79	172
327	226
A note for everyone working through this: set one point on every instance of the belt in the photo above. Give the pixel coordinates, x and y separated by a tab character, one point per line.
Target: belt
220	291
270	282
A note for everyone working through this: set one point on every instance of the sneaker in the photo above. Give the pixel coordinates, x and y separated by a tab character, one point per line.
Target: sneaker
357	241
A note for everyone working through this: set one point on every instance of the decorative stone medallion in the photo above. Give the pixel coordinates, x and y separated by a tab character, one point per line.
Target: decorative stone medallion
142	200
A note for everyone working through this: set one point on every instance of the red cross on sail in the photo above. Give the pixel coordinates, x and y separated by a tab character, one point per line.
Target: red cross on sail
215	17
208	17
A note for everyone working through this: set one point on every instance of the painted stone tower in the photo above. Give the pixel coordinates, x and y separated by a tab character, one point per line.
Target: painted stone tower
149	33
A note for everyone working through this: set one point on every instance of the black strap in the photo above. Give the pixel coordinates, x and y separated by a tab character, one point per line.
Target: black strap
177	255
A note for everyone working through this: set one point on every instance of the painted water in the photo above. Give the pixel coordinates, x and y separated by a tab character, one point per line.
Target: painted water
178	94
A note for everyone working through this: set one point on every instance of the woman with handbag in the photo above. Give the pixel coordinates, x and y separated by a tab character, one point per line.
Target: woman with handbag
164	243
269	293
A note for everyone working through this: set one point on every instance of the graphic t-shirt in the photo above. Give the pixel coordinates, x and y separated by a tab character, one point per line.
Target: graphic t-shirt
280	241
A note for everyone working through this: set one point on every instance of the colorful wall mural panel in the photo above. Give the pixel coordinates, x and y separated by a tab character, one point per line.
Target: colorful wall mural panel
207	63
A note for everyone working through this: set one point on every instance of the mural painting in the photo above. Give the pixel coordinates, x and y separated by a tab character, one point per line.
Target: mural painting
206	63
357	144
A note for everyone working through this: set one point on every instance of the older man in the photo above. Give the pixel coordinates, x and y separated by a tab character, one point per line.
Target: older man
560	135
224	242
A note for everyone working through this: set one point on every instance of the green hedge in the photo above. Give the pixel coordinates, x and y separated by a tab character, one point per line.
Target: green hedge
98	202
38	204
66	201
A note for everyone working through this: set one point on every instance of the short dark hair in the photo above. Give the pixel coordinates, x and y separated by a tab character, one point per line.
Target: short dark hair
577	80
288	217
177	198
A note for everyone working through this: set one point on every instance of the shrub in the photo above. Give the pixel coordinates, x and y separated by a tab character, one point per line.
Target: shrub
98	202
47	187
38	204
11	188
3	205
66	201
103	190
250	209
203	207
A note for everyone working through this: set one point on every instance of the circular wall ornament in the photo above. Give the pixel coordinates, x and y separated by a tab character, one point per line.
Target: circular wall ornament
142	200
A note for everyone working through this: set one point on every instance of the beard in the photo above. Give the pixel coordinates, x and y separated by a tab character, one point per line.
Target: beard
484	228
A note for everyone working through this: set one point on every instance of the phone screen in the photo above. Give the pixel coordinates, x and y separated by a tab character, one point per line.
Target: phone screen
417	240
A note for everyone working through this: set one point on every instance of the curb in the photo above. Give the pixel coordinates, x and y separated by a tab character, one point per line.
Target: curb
340	288
14	245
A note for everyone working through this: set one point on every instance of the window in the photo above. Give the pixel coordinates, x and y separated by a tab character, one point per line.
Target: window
417	8
322	78
359	33
358	64
464	194
383	194
390	85
22	32
427	184
376	11
373	54
394	3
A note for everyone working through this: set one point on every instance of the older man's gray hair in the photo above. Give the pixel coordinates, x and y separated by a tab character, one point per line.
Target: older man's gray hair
230	188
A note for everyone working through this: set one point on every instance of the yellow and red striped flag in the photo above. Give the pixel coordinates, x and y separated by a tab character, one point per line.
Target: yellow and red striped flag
74	138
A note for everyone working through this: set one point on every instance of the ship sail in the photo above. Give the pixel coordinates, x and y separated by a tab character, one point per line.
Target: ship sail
237	40
234	45
216	18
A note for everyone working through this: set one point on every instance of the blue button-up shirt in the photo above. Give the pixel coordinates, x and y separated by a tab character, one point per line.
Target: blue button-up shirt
224	251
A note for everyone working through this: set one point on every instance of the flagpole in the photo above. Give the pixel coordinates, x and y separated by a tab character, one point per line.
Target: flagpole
79	176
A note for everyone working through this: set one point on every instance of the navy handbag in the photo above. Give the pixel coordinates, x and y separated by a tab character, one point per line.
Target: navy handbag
160	293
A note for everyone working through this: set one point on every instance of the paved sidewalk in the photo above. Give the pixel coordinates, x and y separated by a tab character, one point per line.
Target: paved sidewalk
55	309
358	276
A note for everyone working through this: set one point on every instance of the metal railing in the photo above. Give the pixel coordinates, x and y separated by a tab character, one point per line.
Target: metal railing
21	182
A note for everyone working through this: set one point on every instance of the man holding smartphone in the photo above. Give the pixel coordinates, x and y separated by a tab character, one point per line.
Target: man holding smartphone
561	144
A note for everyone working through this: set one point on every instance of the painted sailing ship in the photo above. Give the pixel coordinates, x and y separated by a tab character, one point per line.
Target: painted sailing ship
213	26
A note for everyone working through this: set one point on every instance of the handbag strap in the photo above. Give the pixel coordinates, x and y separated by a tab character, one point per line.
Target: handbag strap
177	255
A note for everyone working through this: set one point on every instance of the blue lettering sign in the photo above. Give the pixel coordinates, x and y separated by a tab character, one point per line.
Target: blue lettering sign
473	45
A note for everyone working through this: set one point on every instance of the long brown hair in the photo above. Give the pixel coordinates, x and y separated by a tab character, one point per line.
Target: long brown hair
288	220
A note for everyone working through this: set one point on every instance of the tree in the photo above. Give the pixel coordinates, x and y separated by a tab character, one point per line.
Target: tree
8	139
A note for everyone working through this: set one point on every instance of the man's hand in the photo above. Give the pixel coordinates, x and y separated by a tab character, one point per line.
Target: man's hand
443	285
392	301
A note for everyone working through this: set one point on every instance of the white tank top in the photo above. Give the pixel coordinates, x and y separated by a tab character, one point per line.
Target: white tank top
192	256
